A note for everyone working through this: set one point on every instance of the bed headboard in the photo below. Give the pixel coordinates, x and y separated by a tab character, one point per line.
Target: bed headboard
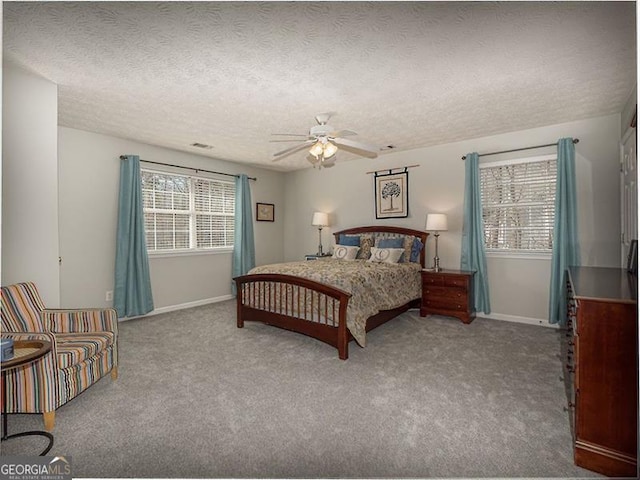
421	234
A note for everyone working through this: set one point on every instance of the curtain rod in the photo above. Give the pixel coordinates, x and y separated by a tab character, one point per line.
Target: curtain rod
575	140
122	157
390	169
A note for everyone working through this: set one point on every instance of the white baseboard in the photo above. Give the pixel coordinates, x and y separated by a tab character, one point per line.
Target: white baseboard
517	319
181	306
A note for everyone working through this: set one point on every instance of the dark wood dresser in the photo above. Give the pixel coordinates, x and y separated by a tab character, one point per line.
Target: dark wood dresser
602	368
448	292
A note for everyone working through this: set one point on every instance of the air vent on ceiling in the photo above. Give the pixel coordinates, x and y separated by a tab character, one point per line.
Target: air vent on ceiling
201	145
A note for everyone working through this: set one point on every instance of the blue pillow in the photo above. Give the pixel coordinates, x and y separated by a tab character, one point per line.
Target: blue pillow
349	240
391	243
416	248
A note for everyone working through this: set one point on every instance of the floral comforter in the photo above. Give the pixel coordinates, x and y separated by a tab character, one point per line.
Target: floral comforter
373	286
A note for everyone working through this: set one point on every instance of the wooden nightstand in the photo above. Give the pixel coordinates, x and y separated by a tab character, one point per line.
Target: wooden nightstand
315	256
448	292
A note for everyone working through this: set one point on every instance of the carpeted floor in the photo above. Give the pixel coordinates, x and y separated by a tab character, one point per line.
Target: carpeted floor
428	397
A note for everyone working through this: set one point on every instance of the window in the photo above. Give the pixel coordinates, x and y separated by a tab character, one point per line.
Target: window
518	203
186	213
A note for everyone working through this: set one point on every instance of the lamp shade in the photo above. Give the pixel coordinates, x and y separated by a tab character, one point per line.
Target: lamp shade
436	222
320	219
329	150
317	149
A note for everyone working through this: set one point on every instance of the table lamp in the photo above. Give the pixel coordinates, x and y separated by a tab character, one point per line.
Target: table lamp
320	220
436	222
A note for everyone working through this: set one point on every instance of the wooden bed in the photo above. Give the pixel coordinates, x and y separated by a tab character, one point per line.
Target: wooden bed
281	300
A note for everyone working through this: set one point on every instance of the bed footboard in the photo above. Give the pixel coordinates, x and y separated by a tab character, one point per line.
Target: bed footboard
297	304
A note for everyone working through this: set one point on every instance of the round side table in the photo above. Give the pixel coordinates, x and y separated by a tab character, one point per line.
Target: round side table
24	352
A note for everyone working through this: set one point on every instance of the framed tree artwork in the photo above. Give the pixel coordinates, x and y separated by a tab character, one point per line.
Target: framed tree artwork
265	212
392	195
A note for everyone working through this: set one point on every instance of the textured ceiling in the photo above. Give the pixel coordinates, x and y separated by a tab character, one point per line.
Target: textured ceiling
413	74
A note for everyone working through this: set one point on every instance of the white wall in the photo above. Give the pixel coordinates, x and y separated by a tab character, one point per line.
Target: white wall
519	288
30	182
89	179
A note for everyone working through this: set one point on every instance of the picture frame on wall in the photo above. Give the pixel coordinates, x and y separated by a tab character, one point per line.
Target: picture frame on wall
265	212
632	258
392	195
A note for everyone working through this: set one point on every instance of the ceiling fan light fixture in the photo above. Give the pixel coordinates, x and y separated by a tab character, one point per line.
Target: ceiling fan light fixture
323	142
329	150
317	149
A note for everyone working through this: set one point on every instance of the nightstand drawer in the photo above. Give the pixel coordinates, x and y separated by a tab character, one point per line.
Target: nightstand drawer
444	292
446	304
453	281
433	279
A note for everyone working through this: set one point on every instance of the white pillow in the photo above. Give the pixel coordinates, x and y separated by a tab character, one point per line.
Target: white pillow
345	252
385	255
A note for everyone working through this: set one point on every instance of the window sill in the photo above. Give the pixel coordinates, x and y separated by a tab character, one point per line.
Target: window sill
190	252
519	255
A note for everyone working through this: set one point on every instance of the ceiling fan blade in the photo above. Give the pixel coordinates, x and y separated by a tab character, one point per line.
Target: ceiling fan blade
289	134
290	150
342	133
364	149
290	140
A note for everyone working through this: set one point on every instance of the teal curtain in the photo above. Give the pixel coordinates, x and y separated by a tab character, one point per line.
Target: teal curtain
472	255
566	250
132	290
244	249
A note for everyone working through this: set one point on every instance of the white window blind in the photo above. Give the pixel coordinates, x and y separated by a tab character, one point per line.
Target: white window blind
214	207
187	213
518	202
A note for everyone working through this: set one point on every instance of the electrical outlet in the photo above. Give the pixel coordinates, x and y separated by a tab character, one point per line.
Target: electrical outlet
109	296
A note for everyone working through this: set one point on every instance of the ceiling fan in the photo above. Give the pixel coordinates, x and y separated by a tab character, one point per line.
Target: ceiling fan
323	141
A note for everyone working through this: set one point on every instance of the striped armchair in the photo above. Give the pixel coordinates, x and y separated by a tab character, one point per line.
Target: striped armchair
84	348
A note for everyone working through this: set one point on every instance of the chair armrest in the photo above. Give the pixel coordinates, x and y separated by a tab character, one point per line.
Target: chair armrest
80	320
